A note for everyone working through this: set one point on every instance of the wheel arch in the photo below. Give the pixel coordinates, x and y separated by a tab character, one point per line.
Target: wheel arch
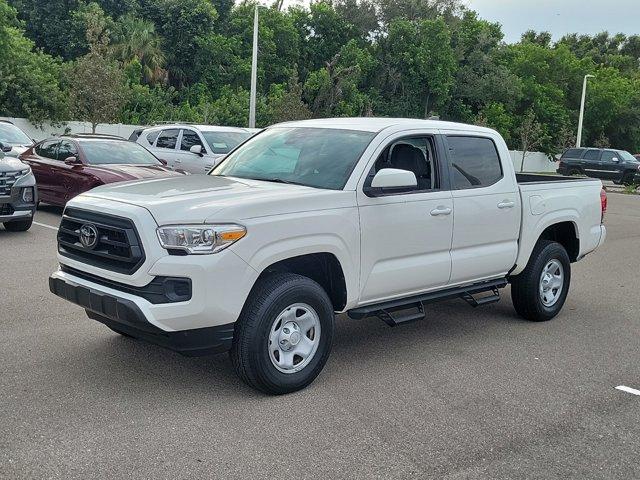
321	267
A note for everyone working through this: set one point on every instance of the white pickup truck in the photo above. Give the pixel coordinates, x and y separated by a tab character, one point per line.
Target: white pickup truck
364	216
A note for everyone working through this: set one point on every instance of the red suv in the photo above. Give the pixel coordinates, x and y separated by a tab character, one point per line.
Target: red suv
69	165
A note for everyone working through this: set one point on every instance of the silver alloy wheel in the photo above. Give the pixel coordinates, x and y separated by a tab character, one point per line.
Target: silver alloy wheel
551	282
294	338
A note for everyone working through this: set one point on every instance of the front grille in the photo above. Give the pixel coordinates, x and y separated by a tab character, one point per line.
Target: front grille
7	179
6	209
117	245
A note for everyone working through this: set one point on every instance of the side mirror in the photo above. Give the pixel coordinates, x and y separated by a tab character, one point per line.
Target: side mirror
615	160
391	180
5	148
72	161
197	149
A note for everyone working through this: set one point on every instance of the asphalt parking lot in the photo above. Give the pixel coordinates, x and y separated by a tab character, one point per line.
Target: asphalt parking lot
463	394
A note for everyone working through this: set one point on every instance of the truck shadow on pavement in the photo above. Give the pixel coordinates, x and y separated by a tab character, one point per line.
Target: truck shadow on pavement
142	368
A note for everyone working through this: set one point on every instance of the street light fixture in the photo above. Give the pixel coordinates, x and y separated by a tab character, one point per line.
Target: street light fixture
581	119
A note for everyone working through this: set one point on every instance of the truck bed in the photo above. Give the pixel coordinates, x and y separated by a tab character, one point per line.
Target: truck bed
529	178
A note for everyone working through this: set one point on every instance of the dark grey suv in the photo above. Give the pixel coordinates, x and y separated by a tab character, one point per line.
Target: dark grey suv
604	163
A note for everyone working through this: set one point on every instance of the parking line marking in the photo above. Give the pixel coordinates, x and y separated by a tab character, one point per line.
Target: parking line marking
46	226
630	390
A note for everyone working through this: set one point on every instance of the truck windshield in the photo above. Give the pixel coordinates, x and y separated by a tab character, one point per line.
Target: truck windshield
315	157
117	152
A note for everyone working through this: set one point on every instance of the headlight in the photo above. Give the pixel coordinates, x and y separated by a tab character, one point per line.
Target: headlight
200	239
25	171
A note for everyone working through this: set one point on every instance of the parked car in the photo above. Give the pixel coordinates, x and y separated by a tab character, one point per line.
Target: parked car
193	148
371	216
67	166
13	141
18	194
604	163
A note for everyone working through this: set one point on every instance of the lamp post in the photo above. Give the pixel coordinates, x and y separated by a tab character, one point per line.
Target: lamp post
581	119
254	72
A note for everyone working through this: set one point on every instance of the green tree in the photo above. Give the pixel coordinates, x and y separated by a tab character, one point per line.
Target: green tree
135	39
29	79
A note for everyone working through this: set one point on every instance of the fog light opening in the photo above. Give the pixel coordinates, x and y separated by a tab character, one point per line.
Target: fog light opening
27	195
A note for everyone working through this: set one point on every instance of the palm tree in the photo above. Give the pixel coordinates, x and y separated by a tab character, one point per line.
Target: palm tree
136	39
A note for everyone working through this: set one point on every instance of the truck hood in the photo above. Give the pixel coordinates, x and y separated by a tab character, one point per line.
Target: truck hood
211	198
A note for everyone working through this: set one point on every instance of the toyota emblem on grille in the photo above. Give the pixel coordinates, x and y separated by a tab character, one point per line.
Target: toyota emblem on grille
88	235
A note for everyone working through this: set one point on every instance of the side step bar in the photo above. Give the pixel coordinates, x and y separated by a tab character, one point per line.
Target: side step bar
385	310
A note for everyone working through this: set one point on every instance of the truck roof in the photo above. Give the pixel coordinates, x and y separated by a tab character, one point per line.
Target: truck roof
376	124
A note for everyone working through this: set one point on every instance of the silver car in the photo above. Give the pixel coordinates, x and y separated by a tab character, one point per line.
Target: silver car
192	148
13	141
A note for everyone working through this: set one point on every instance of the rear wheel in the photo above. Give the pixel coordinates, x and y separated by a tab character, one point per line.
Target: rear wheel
284	334
539	292
19	226
574	172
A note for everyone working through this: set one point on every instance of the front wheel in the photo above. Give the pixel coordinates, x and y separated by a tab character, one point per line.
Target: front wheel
539	292
284	334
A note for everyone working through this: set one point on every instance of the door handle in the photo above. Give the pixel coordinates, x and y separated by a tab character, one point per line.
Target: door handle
506	204
441	210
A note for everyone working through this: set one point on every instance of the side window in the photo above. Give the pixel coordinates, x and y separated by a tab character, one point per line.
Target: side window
572	153
66	149
48	149
592	155
168	138
609	155
189	139
415	154
151	136
475	162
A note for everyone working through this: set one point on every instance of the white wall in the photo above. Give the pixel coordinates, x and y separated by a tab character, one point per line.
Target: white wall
46	130
534	161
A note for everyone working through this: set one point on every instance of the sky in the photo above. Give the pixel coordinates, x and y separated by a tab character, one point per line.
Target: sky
560	16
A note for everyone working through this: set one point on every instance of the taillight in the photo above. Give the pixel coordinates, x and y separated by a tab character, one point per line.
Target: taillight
603	204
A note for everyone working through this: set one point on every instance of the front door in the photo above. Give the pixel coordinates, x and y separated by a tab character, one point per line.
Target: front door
193	162
486	204
406	237
612	165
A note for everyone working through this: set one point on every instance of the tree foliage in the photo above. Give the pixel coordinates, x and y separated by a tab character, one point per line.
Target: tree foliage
190	60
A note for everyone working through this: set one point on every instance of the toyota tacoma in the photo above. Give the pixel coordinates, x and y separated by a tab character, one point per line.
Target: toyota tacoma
368	217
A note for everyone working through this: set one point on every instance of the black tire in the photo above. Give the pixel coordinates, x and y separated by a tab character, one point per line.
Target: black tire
250	348
525	292
628	178
574	172
18	226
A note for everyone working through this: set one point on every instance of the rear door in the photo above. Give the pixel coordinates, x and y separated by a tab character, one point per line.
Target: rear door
591	163
486	205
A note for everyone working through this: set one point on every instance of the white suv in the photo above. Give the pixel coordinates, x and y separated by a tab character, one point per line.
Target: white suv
192	148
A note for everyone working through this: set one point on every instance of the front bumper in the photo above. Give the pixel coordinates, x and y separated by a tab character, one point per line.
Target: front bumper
127	316
21	210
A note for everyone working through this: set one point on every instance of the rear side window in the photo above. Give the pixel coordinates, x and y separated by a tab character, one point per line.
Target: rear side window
573	153
592	155
168	138
48	149
151	136
474	162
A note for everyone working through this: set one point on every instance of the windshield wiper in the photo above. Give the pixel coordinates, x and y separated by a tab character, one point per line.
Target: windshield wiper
280	180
